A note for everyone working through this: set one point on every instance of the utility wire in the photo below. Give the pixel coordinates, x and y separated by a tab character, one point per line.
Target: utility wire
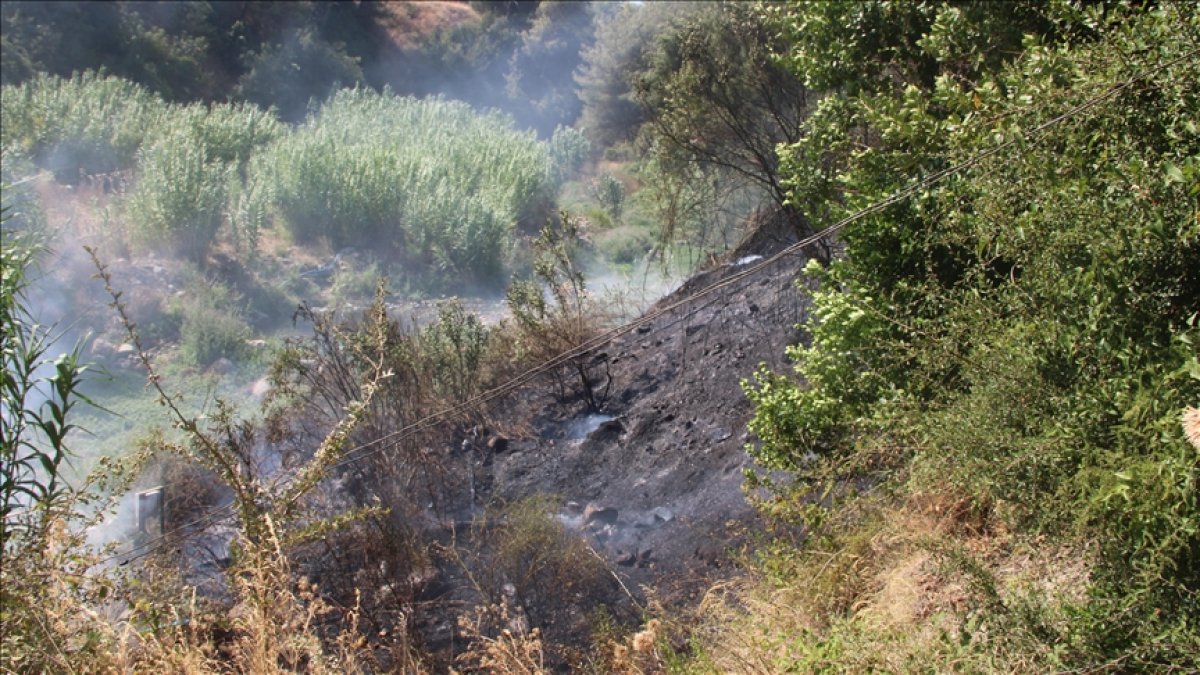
603	339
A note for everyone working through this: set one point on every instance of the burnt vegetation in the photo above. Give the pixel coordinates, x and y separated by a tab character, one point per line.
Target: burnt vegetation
347	295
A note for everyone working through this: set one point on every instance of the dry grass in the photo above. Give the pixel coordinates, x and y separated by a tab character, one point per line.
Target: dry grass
1191	426
407	22
500	642
897	595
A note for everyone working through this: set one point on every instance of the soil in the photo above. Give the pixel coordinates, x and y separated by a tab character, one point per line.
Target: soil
650	478
653	479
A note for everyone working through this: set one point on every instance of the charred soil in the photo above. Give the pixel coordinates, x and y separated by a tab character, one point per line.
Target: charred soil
652	481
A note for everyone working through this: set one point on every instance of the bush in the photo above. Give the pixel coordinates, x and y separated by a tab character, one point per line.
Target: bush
553	312
179	200
455	346
211	323
273	79
22	209
610	194
89	123
566	152
38	394
624	245
355	284
430	179
1024	332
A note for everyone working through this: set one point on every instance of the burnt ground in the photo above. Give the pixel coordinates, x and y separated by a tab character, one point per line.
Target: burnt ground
653	480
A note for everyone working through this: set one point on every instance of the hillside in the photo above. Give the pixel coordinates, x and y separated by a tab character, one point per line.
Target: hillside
358	304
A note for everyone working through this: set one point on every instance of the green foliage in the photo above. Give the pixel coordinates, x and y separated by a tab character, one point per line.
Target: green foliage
625	34
692	206
286	76
718	104
22	209
610	194
876	46
354	283
48	582
566	152
192	178
230	133
554	313
180	198
624	245
87	123
211	320
455	346
63	38
36	404
1026	330
249	212
190	160
540	73
430	179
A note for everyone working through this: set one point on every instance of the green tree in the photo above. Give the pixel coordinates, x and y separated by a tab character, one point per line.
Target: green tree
1022	331
539	83
64	38
287	75
624	38
716	99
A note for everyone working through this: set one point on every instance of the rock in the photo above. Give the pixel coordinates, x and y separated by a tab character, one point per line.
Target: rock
498	444
260	387
599	514
607	431
256	344
625	559
663	514
125	348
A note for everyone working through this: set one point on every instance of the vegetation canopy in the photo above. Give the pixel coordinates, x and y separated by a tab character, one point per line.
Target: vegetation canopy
1022	333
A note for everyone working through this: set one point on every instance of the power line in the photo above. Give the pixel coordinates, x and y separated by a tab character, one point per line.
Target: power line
603	339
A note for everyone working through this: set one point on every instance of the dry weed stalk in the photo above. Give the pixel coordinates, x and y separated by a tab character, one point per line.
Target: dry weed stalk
641	653
276	618
1191	426
500	642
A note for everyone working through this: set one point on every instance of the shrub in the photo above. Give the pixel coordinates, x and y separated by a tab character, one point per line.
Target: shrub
179	200
355	283
22	209
566	152
90	122
610	194
625	245
1023	332
431	179
44	588
455	346
211	323
550	326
